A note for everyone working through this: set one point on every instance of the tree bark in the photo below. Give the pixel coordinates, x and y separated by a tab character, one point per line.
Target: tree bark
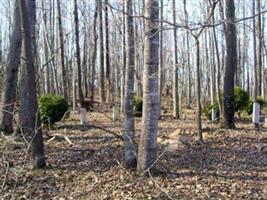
198	90
107	59
259	47
78	57
230	66
161	69
10	79
175	95
94	53
46	52
218	70
148	142
62	54
101	57
123	59
189	92
130	152
29	118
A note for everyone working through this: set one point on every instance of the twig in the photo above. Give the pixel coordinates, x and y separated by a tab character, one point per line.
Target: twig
163	190
148	169
5	177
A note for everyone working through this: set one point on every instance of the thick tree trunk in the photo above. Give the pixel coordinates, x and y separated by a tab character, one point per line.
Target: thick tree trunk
29	118
62	54
10	79
230	66
148	142
130	152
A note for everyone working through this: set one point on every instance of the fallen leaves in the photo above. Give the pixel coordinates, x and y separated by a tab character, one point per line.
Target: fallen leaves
229	165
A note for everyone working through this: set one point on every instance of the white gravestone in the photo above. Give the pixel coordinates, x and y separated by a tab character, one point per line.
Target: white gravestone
115	113
256	113
84	120
265	121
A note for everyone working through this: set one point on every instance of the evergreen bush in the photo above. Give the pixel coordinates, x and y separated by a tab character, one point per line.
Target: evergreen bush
52	108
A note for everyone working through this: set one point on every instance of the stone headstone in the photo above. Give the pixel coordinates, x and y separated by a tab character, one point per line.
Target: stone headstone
265	121
256	113
115	113
84	119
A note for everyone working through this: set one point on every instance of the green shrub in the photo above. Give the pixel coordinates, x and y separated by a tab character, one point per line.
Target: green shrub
241	98
207	109
249	107
52	108
138	105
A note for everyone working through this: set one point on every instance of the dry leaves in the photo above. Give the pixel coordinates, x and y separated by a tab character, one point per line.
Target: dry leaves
87	164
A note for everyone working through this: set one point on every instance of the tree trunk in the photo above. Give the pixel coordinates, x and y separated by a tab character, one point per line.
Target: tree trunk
123	59
62	54
29	118
130	152
161	69
189	95
78	57
10	79
101	57
198	90
218	70
212	77
148	142
259	47
46	52
256	69
107	61
175	95
94	53
230	66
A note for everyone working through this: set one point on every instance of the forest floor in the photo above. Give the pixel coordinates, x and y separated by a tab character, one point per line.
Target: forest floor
86	163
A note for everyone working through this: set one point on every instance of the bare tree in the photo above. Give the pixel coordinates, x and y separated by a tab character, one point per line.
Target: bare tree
189	92
11	75
78	57
161	68
94	53
130	152
29	118
148	143
61	37
107	57
175	95
259	47
123	58
101	56
230	66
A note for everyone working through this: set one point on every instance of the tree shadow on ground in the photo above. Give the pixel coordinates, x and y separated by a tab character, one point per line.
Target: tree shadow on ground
231	158
84	160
